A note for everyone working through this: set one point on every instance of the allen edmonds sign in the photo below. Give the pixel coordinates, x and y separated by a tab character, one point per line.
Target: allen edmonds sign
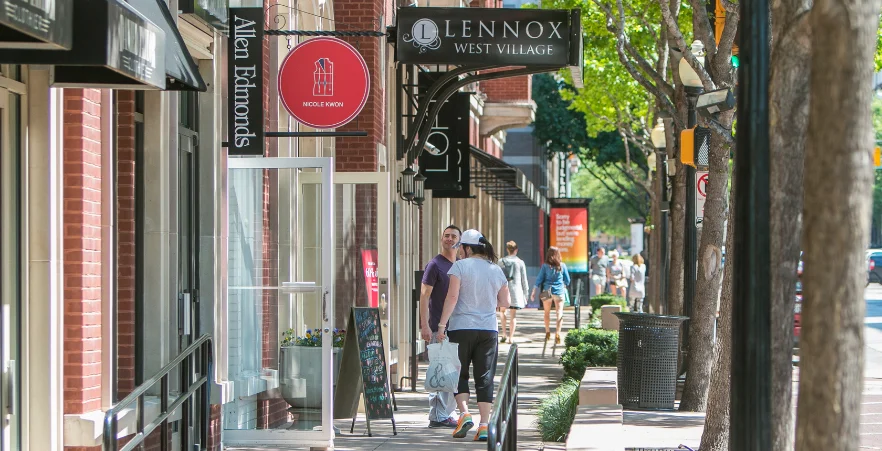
245	54
485	36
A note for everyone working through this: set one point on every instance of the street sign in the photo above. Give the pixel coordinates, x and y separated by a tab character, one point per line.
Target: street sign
324	82
700	196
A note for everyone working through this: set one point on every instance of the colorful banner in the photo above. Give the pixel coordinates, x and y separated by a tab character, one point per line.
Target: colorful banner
569	233
371	281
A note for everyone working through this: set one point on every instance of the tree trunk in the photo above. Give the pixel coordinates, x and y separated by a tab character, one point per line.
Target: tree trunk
677	221
788	113
652	302
838	186
700	358
716	425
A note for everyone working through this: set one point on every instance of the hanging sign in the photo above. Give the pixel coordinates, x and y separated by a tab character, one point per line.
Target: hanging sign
371	281
245	54
488	36
324	82
445	160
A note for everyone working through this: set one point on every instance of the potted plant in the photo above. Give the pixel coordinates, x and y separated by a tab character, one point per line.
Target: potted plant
300	366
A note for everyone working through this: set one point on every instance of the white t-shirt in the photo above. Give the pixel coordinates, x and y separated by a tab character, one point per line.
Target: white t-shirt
479	283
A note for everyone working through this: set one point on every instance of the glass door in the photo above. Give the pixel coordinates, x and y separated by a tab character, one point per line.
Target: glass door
280	363
10	270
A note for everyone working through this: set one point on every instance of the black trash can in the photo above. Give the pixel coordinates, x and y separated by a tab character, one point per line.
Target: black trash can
647	360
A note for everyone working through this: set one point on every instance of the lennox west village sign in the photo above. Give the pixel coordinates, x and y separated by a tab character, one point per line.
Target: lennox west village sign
487	36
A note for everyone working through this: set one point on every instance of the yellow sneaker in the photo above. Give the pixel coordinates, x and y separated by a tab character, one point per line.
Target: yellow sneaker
463	426
481	436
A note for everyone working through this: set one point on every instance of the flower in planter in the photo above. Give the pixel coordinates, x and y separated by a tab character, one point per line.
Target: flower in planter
312	338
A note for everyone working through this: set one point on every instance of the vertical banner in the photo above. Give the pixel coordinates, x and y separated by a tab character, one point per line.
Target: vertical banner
569	233
636	238
245	82
371	281
445	160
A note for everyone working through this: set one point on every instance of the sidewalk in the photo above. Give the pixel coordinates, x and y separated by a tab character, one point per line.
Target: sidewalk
540	373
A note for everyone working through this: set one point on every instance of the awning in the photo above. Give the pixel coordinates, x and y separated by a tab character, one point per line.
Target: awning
26	24
119	45
182	71
504	182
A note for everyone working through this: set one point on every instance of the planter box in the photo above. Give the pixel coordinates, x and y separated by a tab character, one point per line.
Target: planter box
300	375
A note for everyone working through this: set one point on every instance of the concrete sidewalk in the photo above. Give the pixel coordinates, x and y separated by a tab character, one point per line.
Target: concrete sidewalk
540	373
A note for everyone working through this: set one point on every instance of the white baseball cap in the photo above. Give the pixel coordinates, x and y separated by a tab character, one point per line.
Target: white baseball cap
471	237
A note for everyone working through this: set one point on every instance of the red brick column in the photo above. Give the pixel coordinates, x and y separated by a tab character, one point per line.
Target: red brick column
125	282
82	251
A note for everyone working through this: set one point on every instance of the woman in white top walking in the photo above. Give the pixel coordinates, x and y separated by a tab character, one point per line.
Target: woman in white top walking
515	271
477	288
638	285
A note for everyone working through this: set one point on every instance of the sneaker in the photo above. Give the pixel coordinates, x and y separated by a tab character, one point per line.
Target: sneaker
448	423
463	426
481	436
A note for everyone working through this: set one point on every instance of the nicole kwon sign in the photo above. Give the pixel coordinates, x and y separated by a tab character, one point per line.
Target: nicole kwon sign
487	36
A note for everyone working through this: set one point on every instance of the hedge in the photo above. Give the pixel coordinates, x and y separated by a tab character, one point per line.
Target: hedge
557	412
606	299
587	347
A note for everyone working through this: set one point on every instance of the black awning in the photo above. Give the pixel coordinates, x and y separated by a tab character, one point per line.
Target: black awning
26	24
503	181
182	71
113	47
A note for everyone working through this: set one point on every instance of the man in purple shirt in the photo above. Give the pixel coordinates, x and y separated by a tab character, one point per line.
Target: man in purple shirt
432	294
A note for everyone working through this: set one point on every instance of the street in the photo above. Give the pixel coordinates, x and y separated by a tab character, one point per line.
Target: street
871	410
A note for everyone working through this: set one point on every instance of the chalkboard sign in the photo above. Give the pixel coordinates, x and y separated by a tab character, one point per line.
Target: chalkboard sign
364	355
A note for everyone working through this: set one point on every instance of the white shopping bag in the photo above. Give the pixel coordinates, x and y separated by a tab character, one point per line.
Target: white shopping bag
444	366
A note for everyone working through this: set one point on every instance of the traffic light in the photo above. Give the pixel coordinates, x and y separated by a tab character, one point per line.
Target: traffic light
877	156
735	61
687	147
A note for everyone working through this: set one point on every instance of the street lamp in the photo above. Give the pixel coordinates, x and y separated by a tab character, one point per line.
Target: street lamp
659	141
694	88
406	183
419	192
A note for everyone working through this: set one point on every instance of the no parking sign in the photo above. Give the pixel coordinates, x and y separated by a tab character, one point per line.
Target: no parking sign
700	196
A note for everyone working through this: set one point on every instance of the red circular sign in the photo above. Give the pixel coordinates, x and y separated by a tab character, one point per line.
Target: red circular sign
324	82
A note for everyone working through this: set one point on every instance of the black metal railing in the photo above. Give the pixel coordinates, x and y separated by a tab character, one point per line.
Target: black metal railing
502	430
182	401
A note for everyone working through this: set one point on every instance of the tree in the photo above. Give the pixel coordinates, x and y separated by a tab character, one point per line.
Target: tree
838	178
609	212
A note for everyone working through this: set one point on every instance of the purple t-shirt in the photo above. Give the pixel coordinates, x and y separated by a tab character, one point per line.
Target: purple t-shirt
436	277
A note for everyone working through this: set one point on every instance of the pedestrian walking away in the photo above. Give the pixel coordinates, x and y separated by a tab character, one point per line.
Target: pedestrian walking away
515	271
433	292
477	289
551	284
599	263
638	283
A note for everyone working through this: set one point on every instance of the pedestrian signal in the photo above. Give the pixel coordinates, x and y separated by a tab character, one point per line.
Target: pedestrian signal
877	156
687	147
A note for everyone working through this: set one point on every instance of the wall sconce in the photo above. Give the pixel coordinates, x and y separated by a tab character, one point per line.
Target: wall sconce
419	191
405	184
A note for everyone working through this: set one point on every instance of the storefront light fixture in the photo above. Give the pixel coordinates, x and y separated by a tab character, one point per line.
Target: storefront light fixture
718	101
657	135
405	185
419	192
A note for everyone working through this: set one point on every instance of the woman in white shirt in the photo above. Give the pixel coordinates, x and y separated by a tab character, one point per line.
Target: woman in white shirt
477	288
638	285
515	271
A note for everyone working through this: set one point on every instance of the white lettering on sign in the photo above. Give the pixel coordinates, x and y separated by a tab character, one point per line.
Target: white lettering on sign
244	32
243	84
137	40
533	29
323	104
503	49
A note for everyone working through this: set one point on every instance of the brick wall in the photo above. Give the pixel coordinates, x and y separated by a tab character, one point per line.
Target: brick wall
125	203
511	89
360	154
82	250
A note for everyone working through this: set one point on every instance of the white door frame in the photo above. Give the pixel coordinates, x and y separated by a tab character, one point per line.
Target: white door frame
323	438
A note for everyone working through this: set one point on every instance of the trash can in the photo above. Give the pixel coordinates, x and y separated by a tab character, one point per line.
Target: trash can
647	360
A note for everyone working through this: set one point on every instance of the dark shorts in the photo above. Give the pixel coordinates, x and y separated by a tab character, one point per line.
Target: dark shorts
478	348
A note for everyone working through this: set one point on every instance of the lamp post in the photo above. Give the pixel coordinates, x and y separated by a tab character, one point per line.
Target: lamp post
694	88
659	142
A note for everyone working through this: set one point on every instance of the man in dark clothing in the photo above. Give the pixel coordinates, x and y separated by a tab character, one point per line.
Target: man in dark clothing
432	294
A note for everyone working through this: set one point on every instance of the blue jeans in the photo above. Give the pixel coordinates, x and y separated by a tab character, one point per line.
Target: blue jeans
441	404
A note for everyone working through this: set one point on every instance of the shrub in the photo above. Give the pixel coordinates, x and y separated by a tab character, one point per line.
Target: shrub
587	347
557	412
606	299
